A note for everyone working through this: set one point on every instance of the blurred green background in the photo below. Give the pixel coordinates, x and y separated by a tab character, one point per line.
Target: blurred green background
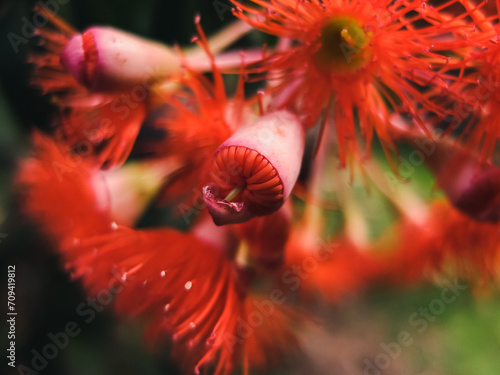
463	340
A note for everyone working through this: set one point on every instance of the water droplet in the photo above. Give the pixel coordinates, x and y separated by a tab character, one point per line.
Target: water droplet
114	226
192	325
124	277
188	285
210	340
163	273
166	307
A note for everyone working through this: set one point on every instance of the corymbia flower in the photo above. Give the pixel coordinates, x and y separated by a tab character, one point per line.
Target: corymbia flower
94	199
471	184
195	291
49	172
200	306
481	88
450	242
335	269
93	124
361	59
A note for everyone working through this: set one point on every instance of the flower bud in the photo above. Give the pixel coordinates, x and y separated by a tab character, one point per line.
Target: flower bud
472	185
255	170
107	59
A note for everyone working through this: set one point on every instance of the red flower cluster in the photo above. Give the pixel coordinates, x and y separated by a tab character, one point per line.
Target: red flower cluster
344	73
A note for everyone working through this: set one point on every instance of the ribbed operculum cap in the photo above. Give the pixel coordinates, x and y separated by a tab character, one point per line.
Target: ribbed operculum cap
107	59
254	171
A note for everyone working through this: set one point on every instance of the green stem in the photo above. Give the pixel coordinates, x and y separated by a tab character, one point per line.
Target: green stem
233	193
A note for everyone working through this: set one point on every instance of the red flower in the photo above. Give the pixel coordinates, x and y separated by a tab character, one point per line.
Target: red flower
103	125
471	184
360	59
449	241
481	87
62	193
189	289
193	288
336	268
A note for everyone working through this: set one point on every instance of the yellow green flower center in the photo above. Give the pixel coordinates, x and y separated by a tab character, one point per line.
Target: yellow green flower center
343	45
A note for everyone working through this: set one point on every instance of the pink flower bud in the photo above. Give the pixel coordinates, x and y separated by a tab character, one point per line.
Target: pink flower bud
107	59
255	170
